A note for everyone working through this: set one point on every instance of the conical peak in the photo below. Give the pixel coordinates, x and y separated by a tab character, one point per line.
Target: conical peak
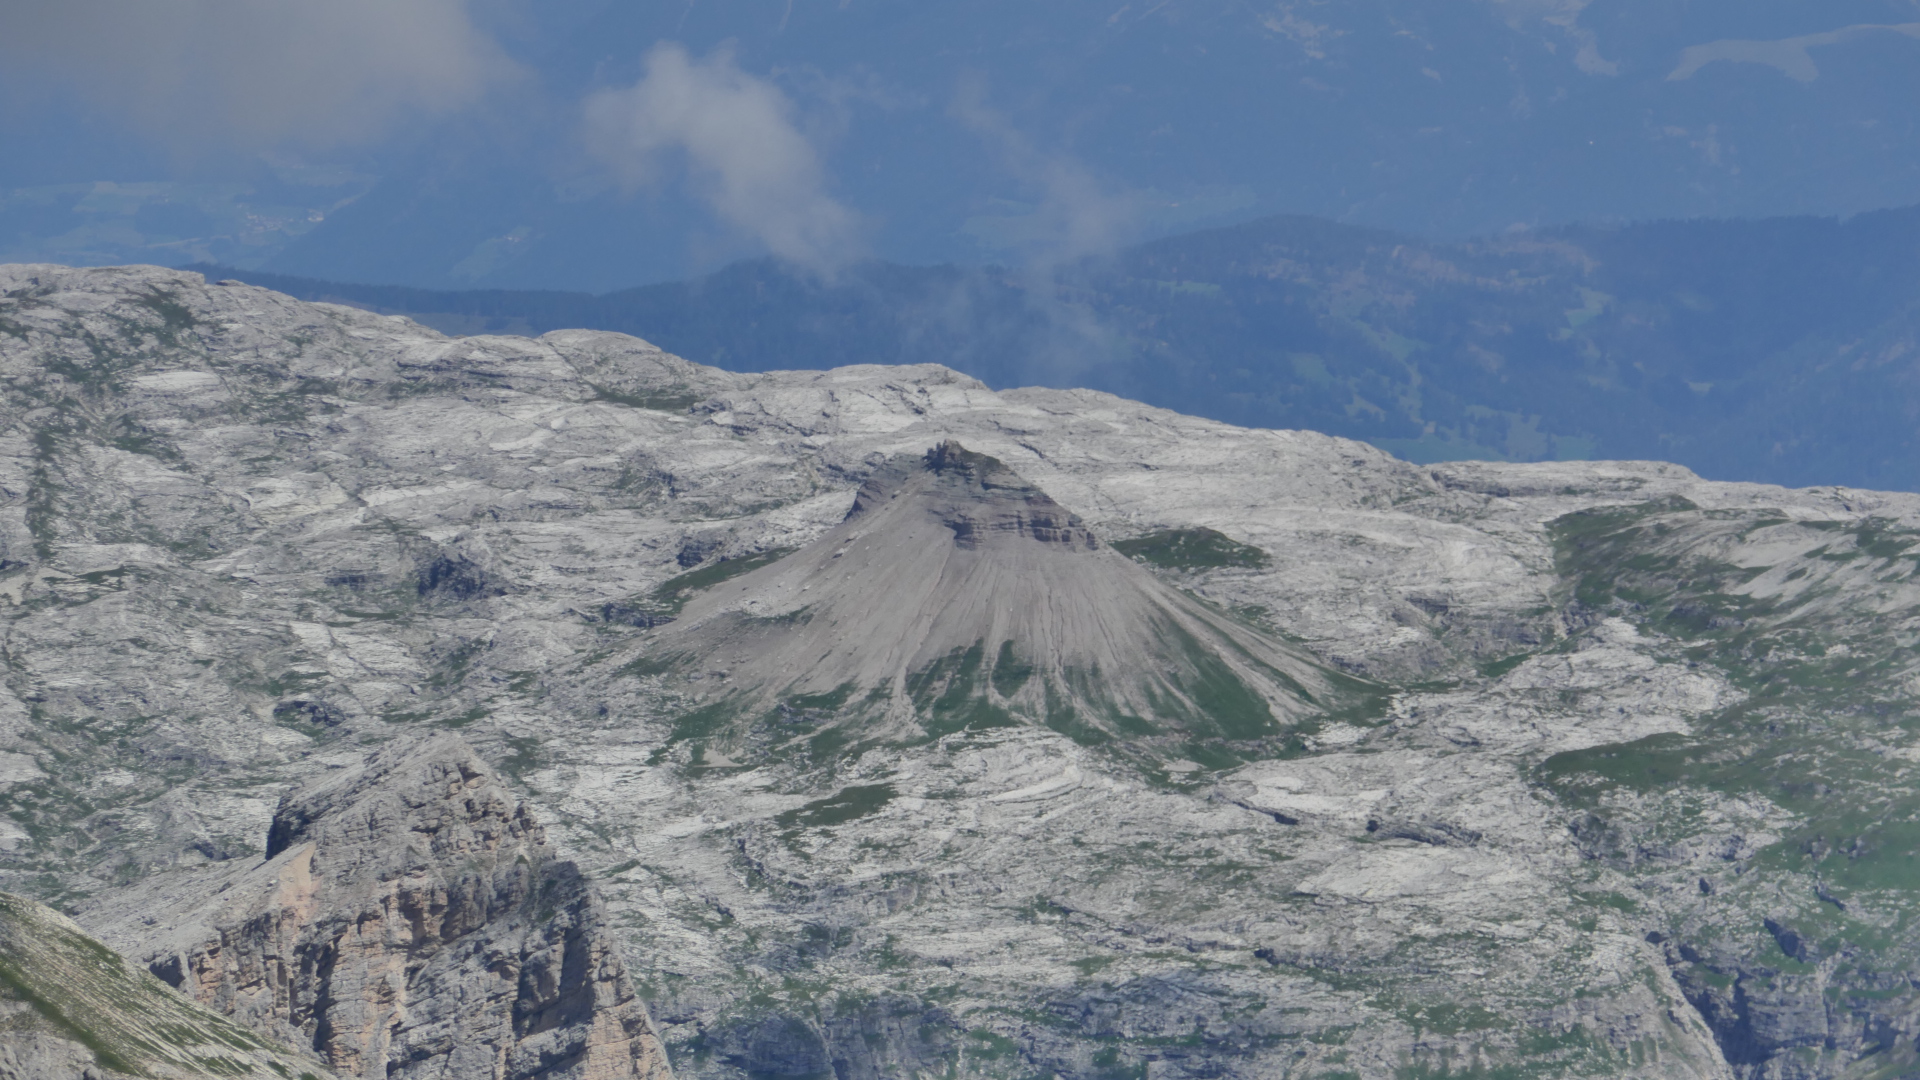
958	595
976	496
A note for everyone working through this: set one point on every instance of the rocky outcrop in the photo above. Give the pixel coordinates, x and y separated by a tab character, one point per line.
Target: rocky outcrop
410	921
73	1009
976	497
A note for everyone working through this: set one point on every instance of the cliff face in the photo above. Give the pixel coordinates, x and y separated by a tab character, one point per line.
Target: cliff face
411	921
72	1009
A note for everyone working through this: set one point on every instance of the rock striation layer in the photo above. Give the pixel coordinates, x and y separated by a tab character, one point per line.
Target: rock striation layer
411	921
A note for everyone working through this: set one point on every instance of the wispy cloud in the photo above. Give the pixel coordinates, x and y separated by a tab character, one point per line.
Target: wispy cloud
1563	15
1075	214
249	74
1070	215
1788	55
744	151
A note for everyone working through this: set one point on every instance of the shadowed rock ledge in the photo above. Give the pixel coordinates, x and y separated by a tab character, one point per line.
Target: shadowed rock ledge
409	920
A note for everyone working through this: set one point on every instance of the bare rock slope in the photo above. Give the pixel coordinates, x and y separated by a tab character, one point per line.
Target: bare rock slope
1628	789
957	596
408	920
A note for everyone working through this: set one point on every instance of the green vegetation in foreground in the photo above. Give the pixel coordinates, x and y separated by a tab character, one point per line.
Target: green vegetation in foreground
848	804
666	600
1192	549
1215	702
127	1019
658	402
1010	673
950	694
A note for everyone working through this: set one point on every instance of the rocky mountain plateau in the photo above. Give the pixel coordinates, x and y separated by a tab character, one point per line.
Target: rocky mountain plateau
415	706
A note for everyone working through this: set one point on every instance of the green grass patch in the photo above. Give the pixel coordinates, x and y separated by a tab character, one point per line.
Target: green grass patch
1650	764
832	701
1224	706
1009	672
1498	669
1192	549
950	694
704	722
657	401
848	804
672	594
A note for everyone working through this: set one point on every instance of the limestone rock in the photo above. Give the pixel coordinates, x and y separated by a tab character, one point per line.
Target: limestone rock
1625	717
409	919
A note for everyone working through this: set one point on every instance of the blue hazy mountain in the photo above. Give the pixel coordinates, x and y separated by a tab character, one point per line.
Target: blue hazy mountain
1021	133
1781	349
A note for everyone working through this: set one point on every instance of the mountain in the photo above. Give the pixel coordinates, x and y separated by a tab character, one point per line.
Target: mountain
1773	350
1618	781
958	597
407	919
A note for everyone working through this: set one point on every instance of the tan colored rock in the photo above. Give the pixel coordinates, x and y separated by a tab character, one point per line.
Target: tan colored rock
410	920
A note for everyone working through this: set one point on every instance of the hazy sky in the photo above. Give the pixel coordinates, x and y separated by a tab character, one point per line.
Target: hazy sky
594	143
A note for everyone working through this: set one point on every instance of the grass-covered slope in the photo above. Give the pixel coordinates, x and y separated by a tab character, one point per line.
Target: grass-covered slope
1801	948
69	1004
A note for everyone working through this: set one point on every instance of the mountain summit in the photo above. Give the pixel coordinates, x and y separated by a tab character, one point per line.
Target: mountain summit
958	595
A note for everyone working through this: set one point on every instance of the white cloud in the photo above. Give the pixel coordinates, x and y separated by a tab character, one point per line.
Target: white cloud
1788	55
746	155
1075	216
1064	213
248	74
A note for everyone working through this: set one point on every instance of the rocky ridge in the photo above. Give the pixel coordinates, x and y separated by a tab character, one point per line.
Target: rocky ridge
1635	802
408	919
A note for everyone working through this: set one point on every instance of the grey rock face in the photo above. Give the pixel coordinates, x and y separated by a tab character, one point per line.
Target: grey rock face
976	497
408	920
221	514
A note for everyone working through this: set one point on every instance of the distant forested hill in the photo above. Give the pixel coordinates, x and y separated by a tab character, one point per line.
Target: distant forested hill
1783	350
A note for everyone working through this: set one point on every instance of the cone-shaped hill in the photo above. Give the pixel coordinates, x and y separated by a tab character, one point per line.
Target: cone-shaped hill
957	595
